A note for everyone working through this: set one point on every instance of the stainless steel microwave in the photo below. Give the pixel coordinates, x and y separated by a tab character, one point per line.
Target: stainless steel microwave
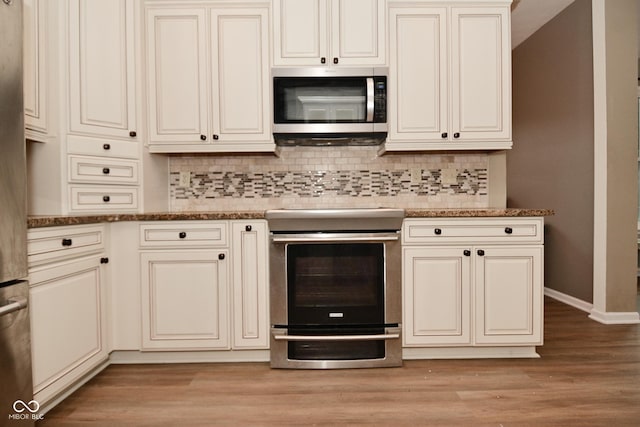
330	105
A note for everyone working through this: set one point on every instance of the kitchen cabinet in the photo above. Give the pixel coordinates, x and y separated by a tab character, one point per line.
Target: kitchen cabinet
473	282
329	32
208	85
68	297
450	77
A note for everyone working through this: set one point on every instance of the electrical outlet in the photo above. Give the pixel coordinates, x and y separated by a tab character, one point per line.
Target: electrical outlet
449	176
416	176
185	179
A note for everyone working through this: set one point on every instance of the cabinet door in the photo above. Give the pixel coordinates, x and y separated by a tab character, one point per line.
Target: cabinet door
436	296
101	68
240	75
250	285
481	73
184	300
176	73
358	32
35	66
418	108
300	32
508	295
68	326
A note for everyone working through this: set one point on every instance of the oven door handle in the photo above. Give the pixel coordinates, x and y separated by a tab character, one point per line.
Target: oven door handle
336	337
335	237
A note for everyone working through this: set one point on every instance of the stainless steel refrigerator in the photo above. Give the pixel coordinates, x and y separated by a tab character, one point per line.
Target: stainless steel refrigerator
16	390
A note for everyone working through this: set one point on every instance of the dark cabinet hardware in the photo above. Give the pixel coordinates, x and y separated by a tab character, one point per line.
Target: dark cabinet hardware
456	135
508	230
220	257
106	146
480	252
182	235
444	135
67	242
323	60
248	228
104	260
133	134
437	231
106	171
203	137
467	252
106	199
216	137
335	60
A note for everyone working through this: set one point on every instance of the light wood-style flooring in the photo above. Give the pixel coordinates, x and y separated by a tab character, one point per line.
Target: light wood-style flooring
588	375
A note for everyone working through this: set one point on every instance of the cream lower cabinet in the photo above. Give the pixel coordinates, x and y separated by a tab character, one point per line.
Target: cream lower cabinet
488	292
68	311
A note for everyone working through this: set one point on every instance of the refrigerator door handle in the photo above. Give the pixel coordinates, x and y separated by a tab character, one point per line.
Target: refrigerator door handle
14	305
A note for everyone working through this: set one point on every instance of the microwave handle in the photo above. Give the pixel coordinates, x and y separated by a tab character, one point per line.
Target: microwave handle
370	100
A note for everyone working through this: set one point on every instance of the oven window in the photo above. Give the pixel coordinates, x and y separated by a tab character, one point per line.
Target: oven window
320	100
335	284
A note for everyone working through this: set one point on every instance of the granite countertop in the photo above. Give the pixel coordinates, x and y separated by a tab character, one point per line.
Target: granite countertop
51	221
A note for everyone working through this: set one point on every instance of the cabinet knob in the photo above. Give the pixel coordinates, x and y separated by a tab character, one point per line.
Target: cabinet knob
203	137
335	60
456	135
67	242
248	228
182	235
220	257
133	134
106	199
106	171
480	252
444	135
323	60
106	146
437	231
216	137
508	230
467	252
104	260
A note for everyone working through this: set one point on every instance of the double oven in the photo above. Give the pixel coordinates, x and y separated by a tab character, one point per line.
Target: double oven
335	288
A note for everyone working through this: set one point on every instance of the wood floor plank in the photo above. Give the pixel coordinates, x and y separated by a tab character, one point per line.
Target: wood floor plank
588	375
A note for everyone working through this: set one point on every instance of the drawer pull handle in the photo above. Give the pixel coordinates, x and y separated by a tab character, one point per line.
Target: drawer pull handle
444	135
104	260
248	228
106	146
480	252
106	199
323	60
467	252
456	135
508	230
67	242
182	235
203	137
336	60
220	257
106	171
437	231
133	134
216	137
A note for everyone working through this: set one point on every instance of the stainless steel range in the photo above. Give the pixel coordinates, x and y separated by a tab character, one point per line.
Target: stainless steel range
335	288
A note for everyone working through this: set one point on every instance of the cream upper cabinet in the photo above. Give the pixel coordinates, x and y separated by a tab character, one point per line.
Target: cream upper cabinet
331	32
450	77
208	79
102	98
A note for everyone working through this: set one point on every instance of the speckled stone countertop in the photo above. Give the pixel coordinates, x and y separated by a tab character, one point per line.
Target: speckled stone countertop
52	221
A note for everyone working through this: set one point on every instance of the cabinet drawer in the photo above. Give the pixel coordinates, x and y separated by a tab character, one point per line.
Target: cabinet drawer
102	170
184	234
88	146
103	199
468	231
45	244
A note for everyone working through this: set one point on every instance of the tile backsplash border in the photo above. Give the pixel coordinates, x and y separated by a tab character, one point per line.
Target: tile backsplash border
324	177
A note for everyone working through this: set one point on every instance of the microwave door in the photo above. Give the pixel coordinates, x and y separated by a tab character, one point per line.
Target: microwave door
370	100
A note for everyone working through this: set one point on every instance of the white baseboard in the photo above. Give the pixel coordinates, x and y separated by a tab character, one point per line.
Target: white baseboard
607	318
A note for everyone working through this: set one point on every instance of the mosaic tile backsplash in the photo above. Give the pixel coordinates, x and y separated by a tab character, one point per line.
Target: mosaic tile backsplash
322	177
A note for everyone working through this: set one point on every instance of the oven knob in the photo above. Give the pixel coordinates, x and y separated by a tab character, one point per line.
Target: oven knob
437	231
220	257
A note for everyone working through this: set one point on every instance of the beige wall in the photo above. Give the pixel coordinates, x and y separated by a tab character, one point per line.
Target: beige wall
551	164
